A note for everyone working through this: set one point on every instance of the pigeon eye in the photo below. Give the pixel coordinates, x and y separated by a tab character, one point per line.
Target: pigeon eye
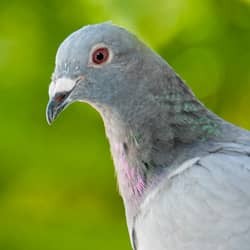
100	55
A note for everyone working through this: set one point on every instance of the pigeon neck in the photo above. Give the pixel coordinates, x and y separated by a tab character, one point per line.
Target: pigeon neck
142	153
127	158
146	139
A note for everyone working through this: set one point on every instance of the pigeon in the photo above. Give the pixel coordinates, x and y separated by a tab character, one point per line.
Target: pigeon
183	172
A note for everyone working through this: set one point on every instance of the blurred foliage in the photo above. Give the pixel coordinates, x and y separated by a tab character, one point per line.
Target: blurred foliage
57	185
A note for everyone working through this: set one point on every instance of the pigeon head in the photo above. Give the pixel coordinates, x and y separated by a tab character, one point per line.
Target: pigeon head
98	64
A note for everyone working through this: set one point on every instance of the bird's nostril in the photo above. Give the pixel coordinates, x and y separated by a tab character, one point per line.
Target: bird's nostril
60	97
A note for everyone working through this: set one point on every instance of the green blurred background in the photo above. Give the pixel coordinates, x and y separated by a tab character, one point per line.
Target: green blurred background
57	184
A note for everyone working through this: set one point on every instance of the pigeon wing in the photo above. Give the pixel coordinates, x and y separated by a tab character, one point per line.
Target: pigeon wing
203	204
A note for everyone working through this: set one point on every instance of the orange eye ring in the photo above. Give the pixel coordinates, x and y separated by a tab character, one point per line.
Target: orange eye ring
100	55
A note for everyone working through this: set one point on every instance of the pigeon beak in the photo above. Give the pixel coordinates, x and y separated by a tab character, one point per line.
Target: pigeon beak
60	96
56	105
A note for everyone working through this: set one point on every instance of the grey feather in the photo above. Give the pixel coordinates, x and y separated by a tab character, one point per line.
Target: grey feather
204	206
183	172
